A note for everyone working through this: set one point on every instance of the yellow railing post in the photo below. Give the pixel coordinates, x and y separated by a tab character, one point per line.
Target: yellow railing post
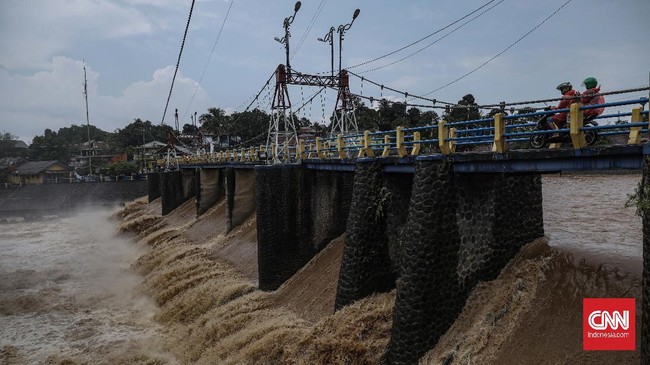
500	143
386	151
340	146
366	150
635	132
319	149
577	136
312	148
274	151
443	134
300	150
416	144
399	136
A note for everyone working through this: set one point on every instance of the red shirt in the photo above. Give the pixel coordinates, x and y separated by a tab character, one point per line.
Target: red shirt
591	97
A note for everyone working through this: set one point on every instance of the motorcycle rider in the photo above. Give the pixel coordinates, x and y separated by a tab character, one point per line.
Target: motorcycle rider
569	96
591	96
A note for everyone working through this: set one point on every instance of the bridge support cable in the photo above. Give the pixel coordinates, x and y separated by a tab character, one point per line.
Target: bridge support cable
178	62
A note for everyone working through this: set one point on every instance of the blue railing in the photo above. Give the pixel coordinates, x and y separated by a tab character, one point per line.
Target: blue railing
499	131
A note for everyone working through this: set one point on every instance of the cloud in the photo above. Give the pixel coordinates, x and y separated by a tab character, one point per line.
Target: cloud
54	99
30	35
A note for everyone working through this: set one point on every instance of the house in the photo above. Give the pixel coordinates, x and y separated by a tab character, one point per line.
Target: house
39	172
8	165
10	148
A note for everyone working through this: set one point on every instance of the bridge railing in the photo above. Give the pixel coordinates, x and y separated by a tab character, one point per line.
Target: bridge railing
498	133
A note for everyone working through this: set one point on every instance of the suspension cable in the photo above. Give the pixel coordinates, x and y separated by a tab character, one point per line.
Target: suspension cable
503	51
178	62
321	5
209	58
434	42
423	38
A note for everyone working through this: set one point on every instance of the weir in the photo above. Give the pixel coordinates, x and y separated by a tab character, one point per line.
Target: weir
431	227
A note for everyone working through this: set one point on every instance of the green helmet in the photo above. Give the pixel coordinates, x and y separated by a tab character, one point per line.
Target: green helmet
590	82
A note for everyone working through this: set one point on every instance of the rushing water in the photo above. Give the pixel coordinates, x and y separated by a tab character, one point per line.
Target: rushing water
68	293
586	214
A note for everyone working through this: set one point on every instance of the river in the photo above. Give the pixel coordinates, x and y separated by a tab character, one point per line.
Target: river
68	293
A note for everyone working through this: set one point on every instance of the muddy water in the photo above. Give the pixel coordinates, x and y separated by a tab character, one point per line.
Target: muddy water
68	295
71	292
586	215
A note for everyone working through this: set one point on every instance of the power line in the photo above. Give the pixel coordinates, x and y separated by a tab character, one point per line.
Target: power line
502	52
178	62
209	58
434	42
320	8
423	38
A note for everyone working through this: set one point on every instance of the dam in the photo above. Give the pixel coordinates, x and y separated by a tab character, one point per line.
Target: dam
427	229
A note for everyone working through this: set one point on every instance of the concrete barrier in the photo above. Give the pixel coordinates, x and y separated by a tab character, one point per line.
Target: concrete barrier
461	229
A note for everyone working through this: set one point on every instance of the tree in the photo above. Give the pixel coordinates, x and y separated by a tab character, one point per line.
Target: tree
122	168
50	146
76	134
190	129
137	133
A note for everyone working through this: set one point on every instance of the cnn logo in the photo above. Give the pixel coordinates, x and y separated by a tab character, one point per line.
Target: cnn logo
601	320
608	324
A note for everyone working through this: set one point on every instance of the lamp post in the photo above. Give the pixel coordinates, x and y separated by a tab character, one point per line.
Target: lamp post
285	40
329	37
341	30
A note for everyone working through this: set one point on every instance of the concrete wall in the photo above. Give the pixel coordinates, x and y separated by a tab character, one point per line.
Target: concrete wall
460	229
240	195
171	191
37	200
293	221
210	188
645	306
367	266
153	186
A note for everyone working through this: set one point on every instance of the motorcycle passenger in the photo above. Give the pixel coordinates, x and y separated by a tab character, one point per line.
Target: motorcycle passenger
591	96
568	97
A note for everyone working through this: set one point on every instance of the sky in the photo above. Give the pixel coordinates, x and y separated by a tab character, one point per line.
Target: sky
130	49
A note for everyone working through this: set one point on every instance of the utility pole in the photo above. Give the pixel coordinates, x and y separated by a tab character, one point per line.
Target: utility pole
90	163
345	121
281	102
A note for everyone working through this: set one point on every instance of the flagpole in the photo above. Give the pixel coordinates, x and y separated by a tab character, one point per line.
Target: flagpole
90	163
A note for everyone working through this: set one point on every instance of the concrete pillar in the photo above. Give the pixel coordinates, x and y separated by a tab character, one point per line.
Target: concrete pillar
331	195
461	229
171	191
645	305
188	183
284	225
240	195
365	268
299	212
210	188
153	185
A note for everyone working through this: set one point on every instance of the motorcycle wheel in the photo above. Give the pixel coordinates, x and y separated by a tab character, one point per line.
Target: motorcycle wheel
591	137
538	140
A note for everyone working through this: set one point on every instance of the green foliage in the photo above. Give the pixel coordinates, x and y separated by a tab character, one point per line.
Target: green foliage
122	168
137	133
7	136
379	204
640	199
51	146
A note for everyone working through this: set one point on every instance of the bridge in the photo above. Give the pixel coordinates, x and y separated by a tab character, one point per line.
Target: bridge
424	205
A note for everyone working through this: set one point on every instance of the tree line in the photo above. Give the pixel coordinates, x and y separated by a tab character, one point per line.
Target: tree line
239	129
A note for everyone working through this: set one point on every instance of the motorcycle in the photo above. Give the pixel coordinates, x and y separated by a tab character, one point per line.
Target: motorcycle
540	140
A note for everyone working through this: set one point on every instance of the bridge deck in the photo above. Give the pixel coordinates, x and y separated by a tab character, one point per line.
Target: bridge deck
627	157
